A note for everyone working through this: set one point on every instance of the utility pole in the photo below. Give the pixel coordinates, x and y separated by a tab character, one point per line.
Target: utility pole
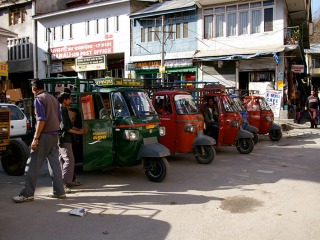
48	54
162	66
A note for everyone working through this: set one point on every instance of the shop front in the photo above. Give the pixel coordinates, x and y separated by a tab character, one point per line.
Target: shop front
175	71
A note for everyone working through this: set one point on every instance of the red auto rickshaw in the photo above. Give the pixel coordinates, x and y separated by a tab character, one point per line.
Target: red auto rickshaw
184	125
230	131
261	116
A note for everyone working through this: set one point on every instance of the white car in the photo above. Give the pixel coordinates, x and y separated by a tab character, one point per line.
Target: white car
19	123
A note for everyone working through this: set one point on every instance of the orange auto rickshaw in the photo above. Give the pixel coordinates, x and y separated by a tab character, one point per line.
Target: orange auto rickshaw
184	125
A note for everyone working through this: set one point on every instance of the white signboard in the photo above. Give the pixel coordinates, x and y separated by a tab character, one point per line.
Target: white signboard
297	68
273	98
90	63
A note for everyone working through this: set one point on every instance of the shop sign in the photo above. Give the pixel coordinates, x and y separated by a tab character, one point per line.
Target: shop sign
90	63
69	65
85	49
273	98
56	67
174	63
297	68
3	69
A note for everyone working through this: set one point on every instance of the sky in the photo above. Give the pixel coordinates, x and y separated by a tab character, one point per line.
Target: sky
315	8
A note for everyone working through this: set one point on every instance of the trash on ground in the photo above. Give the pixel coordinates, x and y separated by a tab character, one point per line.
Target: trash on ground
265	171
78	212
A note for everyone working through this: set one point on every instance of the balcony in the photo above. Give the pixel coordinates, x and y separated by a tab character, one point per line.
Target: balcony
292	36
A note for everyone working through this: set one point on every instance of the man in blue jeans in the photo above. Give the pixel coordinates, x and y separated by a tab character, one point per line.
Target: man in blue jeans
44	145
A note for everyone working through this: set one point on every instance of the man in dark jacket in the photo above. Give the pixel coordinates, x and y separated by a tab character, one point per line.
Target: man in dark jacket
312	105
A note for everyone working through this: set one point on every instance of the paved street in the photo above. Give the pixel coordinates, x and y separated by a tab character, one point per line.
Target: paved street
272	193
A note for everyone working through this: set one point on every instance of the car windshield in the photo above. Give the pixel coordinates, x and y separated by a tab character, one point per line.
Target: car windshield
132	104
185	105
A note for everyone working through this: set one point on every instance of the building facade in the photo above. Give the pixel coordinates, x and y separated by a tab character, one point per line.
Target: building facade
89	40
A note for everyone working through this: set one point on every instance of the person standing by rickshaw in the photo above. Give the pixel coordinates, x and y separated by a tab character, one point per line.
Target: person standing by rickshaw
211	115
312	105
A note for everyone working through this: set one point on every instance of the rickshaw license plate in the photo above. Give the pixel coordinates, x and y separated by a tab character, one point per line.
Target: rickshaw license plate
149	126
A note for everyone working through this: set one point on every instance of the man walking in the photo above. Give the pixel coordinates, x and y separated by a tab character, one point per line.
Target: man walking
44	145
312	105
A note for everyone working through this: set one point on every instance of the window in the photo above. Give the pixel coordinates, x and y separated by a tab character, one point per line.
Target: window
156	34
107	25
19	49
16	17
178	30
143	34
117	23
70	31
233	20
185	30
170	31
87	28
149	34
62	32
97	26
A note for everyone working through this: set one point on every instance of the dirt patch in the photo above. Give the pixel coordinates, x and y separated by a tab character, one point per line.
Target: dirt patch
240	204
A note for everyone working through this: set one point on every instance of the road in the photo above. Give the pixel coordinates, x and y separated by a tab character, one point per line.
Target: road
272	193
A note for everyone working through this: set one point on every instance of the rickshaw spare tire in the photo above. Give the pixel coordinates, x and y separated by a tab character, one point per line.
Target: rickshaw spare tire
14	162
275	135
205	154
155	168
245	145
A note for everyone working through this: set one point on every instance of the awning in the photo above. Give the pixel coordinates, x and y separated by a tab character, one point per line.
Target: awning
239	53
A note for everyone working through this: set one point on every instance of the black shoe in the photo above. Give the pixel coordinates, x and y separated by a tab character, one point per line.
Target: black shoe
63	196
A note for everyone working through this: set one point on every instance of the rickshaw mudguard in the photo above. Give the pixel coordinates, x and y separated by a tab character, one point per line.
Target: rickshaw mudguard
152	148
275	126
203	140
251	128
243	134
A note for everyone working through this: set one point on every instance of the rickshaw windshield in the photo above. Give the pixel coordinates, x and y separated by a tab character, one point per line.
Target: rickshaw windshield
133	104
264	106
228	104
185	104
238	104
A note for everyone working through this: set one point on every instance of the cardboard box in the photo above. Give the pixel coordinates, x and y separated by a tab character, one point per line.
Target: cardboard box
14	94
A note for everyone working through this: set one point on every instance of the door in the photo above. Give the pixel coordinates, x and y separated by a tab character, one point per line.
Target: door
98	141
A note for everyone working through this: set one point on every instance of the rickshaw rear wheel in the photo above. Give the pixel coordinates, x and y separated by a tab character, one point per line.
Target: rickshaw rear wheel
275	135
245	145
255	138
156	168
205	154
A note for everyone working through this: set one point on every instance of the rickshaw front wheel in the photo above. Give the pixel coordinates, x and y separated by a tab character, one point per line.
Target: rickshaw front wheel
245	145
155	168
205	154
275	135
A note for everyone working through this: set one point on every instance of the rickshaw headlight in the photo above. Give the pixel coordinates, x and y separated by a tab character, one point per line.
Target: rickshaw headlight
189	128
268	118
162	131
235	124
131	135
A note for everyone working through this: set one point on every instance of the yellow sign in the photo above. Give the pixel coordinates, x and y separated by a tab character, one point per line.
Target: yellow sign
280	84
3	69
162	69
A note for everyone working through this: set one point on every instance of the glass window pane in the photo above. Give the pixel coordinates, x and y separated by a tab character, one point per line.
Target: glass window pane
243	6
232	22
256	4
219	25
208	27
220	9
208	11
268	3
268	19
256	21
232	8
243	23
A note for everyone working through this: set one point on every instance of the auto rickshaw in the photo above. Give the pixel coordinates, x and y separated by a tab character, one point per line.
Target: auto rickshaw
261	116
230	131
125	133
238	104
184	125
